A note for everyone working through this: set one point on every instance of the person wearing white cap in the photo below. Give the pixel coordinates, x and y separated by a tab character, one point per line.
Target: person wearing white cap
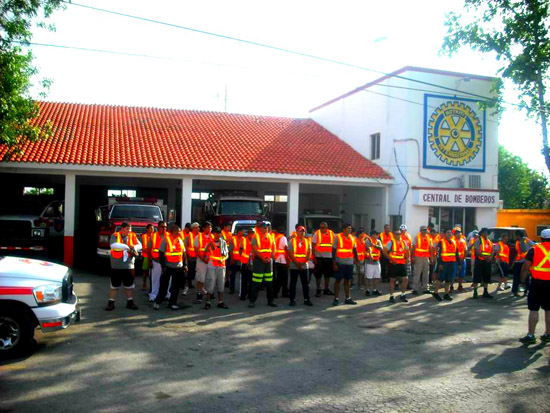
537	262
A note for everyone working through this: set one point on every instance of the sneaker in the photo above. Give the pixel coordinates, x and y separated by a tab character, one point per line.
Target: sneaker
392	299
486	295
150	299
251	305
507	287
376	293
545	338
292	303
437	297
207	305
426	292
308	303
349	301
475	294
185	291
156	306
272	304
336	302
223	305
174	307
528	339
403	298
110	306
327	292
414	292
367	293
500	288
131	305
447	297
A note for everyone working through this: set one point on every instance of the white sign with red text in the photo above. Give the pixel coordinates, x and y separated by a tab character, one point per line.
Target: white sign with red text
444	197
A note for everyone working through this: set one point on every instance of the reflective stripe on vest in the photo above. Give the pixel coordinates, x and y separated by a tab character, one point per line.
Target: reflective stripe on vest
398	255
423	246
448	250
174	249
344	247
486	249
461	245
386	238
300	251
504	252
540	268
191	245
117	253
520	256
373	253
235	250
361	249
264	246
324	241
216	257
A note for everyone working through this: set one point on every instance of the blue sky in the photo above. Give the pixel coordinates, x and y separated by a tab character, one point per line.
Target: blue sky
194	71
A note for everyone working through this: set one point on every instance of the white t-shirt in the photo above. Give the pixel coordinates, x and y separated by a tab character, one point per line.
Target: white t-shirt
283	243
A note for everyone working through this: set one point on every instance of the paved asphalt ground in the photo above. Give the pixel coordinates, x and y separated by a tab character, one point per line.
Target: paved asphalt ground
422	356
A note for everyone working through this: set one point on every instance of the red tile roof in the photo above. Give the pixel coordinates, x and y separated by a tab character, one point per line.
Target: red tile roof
188	139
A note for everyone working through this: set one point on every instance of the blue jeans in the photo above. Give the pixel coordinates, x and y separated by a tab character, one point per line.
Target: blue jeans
462	274
517	278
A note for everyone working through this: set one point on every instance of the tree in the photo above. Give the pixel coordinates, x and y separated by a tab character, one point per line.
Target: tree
17	108
517	31
520	187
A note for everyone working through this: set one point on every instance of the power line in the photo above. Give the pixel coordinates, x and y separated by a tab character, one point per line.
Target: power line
284	50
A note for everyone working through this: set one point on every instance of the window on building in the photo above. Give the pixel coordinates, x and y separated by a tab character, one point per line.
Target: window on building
130	193
375	146
276	198
203	196
29	190
540	228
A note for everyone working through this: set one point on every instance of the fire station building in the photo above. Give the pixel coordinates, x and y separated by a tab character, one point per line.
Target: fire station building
411	147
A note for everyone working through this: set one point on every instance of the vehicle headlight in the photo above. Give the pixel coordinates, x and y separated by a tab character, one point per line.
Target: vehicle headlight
37	233
104	239
48	294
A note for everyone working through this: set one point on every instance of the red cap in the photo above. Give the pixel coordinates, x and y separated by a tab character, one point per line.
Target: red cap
300	228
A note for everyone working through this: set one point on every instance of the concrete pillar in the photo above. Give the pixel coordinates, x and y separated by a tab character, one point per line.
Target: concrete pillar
68	229
186	201
385	192
293	205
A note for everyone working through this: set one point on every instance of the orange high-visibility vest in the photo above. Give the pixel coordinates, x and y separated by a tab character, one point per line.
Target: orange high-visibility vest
300	251
504	252
116	253
156	240
423	246
461	246
324	241
372	253
486	250
448	250
278	251
520	256
361	249
246	249
203	240
407	238
236	247
145	243
174	249
397	252
264	245
540	267
227	235
386	238
191	245
216	257
344	247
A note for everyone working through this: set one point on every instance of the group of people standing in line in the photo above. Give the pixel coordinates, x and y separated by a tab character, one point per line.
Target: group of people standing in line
213	256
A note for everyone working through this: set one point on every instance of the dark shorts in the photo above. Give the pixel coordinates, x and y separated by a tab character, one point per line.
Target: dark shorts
482	272
503	269
260	267
191	269
397	270
324	267
344	271
539	295
122	277
447	273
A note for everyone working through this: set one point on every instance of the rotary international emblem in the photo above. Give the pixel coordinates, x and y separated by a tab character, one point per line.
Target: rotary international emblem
454	133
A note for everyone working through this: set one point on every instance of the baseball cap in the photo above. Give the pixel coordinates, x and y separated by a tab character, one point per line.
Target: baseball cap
475	232
545	233
262	224
423	228
195	225
300	228
403	227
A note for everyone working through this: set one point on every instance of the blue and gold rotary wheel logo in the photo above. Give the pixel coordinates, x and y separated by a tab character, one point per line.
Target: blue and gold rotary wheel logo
454	133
